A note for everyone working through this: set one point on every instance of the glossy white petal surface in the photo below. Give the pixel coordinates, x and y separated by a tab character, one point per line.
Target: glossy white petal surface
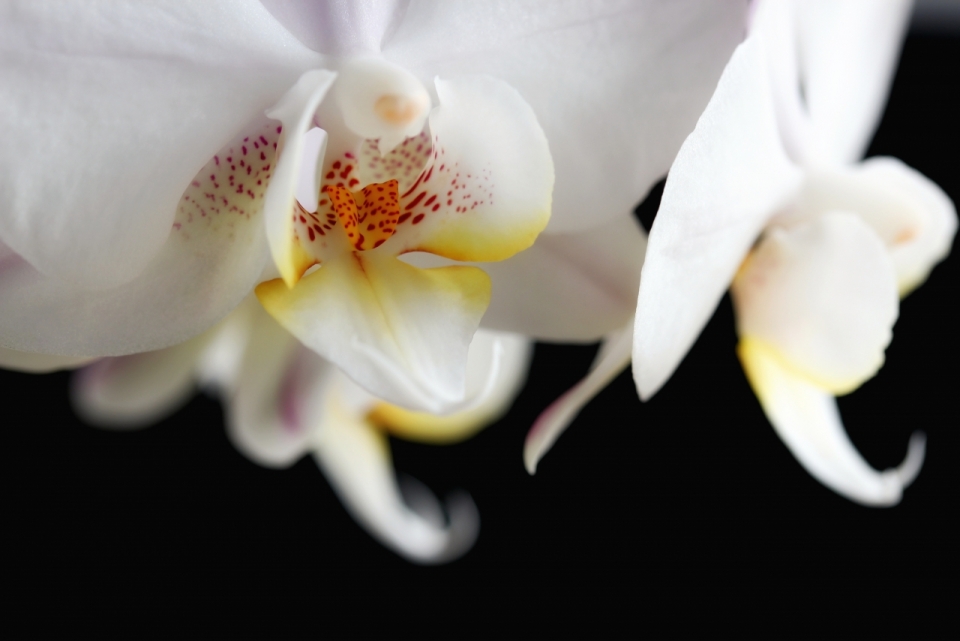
805	416
399	331
355	458
576	286
823	296
730	176
613	358
616	85
110	110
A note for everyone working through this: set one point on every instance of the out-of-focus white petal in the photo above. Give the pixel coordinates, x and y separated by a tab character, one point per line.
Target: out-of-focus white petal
275	403
485	194
805	416
775	23
109	111
295	111
339	27
823	296
138	390
38	363
381	101
913	217
615	85
613	357
576	286
213	257
730	176
355	458
848	53
218	368
497	365
401	332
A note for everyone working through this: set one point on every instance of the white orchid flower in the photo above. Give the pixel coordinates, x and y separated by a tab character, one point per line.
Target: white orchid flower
283	401
144	191
765	197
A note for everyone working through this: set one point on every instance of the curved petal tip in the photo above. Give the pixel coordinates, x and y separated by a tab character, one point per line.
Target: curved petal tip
613	358
458	518
913	462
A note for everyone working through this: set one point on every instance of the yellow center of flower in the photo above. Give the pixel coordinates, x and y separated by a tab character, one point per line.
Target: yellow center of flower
369	216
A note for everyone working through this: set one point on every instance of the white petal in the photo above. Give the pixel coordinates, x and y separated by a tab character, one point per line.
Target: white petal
913	217
295	110
806	418
823	295
38	363
848	53
613	358
485	193
776	23
355	458
614	127
729	177
213	257
339	27
274	405
497	366
308	182
108	112
401	332
138	390
576	286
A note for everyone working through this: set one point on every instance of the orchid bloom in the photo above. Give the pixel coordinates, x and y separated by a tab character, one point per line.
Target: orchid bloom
766	197
284	401
164	159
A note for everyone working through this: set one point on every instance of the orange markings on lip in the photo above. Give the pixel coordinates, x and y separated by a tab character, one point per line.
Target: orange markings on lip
369	216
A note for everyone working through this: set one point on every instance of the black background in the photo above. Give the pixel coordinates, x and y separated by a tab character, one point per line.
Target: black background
682	516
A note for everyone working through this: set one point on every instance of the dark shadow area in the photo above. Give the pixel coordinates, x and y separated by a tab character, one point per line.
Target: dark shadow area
646	211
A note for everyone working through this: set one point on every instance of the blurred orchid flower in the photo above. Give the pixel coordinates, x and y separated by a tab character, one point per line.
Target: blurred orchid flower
284	401
144	191
766	197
